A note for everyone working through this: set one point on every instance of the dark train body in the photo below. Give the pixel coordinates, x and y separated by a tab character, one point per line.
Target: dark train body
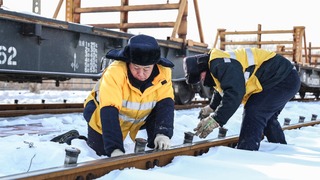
35	48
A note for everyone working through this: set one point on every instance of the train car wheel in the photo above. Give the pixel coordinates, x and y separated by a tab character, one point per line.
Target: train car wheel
183	93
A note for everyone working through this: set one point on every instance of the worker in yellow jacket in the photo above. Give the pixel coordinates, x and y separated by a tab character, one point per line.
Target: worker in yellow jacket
260	79
135	92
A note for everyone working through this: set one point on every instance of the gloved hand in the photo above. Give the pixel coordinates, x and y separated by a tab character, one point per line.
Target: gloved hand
205	112
205	127
116	152
162	142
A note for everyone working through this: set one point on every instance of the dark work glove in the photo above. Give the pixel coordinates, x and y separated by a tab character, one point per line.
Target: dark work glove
205	127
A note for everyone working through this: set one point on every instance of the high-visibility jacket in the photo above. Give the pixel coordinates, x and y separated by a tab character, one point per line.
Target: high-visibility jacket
114	89
241	73
247	57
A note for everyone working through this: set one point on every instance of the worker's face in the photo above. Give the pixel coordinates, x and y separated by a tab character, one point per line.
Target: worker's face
203	76
139	72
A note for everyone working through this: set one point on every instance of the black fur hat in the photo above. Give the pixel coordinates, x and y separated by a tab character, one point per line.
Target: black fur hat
193	66
142	50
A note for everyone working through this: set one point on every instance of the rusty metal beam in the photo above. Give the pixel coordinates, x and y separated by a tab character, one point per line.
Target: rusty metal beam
181	14
123	16
196	9
56	12
127	8
135	25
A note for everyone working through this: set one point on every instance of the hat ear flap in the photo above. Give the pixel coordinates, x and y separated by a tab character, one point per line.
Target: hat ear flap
192	79
202	61
117	55
166	62
191	70
126	51
190	65
193	66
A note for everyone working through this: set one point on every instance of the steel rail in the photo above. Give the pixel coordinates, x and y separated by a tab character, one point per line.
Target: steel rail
13	110
148	159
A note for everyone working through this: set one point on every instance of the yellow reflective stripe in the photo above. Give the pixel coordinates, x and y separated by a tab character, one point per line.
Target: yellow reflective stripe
131	120
250	57
246	75
226	60
134	106
250	60
96	89
138	106
232	55
96	86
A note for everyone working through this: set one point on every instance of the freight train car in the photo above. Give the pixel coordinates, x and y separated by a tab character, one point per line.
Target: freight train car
34	48
310	81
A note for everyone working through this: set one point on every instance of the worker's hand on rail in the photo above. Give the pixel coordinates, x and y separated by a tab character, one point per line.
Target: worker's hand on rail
162	142
116	152
205	127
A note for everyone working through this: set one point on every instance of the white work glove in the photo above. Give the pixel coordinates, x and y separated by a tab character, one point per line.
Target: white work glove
205	127
162	142
205	112
117	152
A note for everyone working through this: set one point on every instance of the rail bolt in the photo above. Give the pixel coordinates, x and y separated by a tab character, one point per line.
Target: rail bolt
314	117
222	132
188	137
72	154
301	119
140	145
286	121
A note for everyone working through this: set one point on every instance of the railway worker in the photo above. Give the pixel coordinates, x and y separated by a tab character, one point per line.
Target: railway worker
261	80
135	92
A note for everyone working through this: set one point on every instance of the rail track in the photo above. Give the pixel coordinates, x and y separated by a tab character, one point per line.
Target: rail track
144	160
14	110
35	127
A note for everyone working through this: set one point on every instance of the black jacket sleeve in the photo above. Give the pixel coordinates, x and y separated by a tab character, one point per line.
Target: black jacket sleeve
111	131
232	82
164	114
215	100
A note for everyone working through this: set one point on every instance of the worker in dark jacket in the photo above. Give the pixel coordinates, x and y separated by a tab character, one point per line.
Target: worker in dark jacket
262	80
134	92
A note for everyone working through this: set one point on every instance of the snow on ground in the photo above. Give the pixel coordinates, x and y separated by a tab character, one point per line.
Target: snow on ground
299	159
